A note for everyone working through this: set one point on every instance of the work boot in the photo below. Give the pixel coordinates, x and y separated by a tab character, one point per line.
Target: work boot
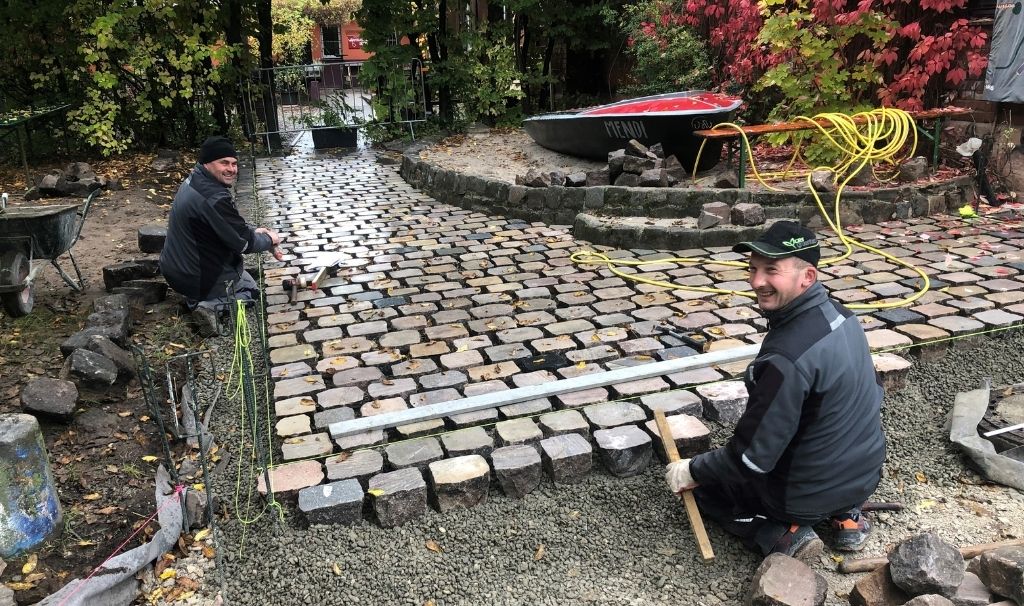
800	542
850	530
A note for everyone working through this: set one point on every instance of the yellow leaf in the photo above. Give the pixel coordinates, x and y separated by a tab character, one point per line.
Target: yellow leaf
111	468
376	492
595	337
925	504
537	555
202	534
30	565
91	497
34	577
169	573
838	559
433	546
336	569
20	586
144	419
85	543
208	552
106	511
123	414
581	364
311	379
920	477
199	486
149	458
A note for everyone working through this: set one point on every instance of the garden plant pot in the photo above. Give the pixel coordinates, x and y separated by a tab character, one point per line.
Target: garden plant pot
326	138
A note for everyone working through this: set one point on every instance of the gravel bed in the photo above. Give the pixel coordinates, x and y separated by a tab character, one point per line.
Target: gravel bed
609	540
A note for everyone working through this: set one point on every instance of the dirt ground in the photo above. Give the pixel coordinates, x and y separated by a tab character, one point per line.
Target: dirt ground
104	482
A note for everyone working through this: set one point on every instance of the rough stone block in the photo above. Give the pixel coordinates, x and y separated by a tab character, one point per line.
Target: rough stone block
747	213
929	599
334	503
305	447
110	302
613	414
152	291
413	453
972	592
360	440
459	482
398	496
691	436
517	468
90	369
892	369
926	564
625	450
724	401
152	238
290	477
108	349
469	441
567	458
877	589
1002	570
53	397
517	431
672	403
360	465
116	275
784	581
563	422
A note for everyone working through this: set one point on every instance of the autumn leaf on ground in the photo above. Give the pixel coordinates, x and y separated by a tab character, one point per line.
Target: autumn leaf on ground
920	477
336	569
537	555
149	459
202	534
30	564
433	546
91	497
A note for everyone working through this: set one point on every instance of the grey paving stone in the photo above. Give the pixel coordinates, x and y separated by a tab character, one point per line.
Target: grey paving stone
398	496
395	387
360	465
677	401
334	503
567	458
372	437
517	469
413	453
357	377
625	450
339	396
691	436
450	378
473	440
307	446
725	401
326	418
459	482
612	414
517	431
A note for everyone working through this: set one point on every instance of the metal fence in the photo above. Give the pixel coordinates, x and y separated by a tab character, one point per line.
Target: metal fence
294	99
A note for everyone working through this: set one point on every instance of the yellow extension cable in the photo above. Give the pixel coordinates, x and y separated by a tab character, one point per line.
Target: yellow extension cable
857	146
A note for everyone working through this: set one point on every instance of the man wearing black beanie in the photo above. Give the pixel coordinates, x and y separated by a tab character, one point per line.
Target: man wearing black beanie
206	236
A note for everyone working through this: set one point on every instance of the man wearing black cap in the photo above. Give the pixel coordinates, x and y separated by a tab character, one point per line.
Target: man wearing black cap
810	444
206	236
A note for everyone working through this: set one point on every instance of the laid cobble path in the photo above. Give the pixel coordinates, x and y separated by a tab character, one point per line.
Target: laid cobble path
431	302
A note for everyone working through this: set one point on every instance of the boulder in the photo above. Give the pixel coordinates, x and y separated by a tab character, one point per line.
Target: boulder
1014	171
598	177
116	275
926	564
877	589
746	213
48	184
784	581
535	178
576	179
655	177
151	238
628	180
1002	570
615	161
79	171
821	181
913	169
90	368
54	397
108	349
636	166
929	599
657	149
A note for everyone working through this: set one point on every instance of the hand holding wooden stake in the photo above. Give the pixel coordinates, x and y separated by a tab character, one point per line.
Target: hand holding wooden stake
696	522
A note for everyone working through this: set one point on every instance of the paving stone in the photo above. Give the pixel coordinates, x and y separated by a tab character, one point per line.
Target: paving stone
372	437
419	429
345	347
296	353
296	387
360	465
294	406
892	369
293	425
784	581
972	592
887	339
493	371
425	350
519	335
625	450
459	482
413	453
400	338
1002	570
957	325
898	315
462	359
473	440
691	436
334	503
563	422
567	458
725	401
925	563
340	396
289	477
389	387
997	318
53	397
325	418
382	406
306	447
446	332
517	431
577	399
336	364
398	496
673	402
639	387
448	378
612	414
550	344
877	589
517	469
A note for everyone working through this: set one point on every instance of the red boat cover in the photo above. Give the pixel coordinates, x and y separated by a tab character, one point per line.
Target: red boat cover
695	103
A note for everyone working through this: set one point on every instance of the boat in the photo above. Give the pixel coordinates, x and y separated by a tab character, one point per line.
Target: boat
669	119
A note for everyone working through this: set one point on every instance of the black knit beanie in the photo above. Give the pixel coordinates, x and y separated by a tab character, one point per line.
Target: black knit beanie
215	148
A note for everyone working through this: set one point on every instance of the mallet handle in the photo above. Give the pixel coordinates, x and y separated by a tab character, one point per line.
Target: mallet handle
696	522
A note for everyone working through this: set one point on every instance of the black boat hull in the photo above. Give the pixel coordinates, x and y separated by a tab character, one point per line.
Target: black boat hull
595	136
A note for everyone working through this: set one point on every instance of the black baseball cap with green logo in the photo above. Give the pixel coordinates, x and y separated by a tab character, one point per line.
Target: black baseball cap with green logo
784	239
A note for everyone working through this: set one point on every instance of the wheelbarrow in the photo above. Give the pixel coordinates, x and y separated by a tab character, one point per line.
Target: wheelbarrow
29	234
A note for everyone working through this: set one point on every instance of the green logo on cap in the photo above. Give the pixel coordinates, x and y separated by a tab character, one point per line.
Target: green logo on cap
792	242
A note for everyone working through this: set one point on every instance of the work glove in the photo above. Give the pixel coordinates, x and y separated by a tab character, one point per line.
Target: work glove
678	476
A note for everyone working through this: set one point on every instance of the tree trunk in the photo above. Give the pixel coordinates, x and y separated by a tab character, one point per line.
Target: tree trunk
234	91
444	91
265	35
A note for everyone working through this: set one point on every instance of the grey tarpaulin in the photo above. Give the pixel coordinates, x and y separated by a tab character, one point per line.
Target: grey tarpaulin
1004	78
115	584
968	410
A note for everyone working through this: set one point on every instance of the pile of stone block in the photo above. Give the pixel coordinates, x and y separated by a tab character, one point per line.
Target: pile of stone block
77	179
926	570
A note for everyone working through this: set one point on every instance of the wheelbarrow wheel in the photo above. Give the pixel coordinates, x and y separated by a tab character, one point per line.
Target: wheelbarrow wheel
14	268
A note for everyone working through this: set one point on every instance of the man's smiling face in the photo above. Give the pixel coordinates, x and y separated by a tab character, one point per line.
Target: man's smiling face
776	282
224	170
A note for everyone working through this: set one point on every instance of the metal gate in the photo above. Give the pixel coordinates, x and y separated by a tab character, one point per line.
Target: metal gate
294	99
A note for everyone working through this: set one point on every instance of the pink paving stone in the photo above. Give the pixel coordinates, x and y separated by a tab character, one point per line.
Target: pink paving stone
971	304
368	328
653	314
391	387
294	353
292	476
613	414
998	318
288	316
853	295
959	277
892	369
426	398
305	447
605	335
330	319
293	425
584	397
614	306
409	323
922	332
279	341
322	334
462	359
474	342
696	376
295	369
1001	285
536	318
886	339
934	310
336	364
382	406
957	325
618	292
643	345
283	327
537	377
294	406
476	389
577	370
592	354
413	367
729	331
349	346
880	277
297	387
377	358
340	396
493	371
431	348
966	291
640	387
692	321
446	332
672	402
559	343
1006	298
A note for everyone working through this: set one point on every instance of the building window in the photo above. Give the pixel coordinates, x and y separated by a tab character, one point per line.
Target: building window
331	39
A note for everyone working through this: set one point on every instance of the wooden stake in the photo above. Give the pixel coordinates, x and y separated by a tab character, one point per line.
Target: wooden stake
318	278
971	551
696	522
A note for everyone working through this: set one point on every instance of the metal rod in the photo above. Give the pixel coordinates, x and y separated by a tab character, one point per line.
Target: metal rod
996	432
544	390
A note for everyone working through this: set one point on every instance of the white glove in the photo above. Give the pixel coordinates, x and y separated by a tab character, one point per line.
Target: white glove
678	477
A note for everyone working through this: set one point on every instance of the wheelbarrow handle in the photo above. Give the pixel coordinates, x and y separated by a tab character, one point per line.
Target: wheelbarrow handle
82	213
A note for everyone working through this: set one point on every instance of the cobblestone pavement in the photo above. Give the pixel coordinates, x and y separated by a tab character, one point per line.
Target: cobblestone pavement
433	303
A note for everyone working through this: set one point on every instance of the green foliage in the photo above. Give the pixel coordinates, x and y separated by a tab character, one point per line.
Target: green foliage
481	72
667	57
334	110
293	31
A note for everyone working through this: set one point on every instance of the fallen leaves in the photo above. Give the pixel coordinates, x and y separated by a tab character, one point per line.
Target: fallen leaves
538	554
433	546
30	564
